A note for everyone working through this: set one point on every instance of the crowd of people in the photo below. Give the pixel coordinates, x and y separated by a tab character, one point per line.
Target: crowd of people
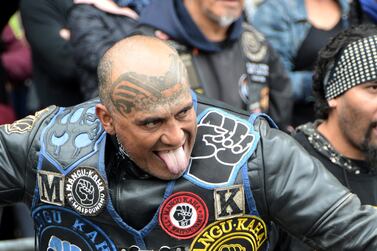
190	124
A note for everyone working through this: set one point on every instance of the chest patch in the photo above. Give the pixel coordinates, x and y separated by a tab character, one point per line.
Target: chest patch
183	215
229	202
51	187
86	191
223	145
62	229
240	233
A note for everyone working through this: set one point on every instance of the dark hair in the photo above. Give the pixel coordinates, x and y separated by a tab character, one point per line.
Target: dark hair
327	57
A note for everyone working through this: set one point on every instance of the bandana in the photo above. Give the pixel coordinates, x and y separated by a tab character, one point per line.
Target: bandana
356	65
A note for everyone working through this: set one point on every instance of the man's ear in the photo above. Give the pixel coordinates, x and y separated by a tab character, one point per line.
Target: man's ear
332	103
106	120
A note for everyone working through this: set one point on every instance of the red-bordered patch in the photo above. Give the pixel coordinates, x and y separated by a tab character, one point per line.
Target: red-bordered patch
183	215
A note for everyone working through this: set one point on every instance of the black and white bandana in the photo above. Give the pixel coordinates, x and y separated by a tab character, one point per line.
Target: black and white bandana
357	65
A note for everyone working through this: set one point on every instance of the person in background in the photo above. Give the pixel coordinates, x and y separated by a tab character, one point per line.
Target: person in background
7	114
298	29
16	59
95	26
54	71
153	166
7	9
226	58
344	137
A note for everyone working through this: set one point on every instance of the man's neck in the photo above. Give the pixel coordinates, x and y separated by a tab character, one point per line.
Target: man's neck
210	28
331	131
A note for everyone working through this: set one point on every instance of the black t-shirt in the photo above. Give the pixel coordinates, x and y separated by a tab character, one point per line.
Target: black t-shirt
363	184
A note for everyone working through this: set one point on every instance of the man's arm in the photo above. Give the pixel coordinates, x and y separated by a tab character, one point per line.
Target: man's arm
281	94
295	191
18	157
43	22
93	32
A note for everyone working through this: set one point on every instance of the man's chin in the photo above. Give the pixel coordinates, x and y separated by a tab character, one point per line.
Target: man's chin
171	176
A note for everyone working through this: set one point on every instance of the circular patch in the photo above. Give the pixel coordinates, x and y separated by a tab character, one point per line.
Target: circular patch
59	228
86	191
239	233
183	215
254	49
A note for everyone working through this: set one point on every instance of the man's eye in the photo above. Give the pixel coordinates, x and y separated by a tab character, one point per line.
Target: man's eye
183	113
151	124
373	88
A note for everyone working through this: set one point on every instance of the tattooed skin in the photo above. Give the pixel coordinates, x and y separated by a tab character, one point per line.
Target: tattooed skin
143	93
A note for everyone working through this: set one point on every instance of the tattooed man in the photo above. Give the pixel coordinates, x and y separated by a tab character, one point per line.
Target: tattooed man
152	166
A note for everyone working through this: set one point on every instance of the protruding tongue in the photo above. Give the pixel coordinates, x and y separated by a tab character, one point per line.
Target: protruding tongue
175	160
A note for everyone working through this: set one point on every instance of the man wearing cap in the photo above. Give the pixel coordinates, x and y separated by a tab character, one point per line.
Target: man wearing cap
344	138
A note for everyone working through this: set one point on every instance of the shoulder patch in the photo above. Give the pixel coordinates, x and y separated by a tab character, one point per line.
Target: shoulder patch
72	136
26	124
224	143
240	233
86	191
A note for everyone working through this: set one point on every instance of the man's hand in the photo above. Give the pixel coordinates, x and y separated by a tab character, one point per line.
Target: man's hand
110	7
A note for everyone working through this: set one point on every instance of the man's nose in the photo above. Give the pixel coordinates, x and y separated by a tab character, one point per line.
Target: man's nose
173	134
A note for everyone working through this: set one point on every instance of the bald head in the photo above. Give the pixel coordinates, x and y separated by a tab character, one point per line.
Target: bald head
139	72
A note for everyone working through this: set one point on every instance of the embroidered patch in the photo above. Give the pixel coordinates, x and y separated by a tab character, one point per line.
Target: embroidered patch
254	49
240	233
224	143
253	90
72	135
229	202
24	125
59	228
51	187
86	191
57	244
183	215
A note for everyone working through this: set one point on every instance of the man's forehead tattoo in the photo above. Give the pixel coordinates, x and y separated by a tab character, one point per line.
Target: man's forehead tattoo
144	92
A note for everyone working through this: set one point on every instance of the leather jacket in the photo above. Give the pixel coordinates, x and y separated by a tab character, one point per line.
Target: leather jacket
85	196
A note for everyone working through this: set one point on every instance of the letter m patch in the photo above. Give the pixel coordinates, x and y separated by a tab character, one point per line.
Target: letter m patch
51	187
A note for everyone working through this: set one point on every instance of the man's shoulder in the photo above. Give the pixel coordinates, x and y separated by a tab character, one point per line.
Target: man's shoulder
205	103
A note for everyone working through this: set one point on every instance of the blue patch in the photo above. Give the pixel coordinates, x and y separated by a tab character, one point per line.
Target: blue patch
60	228
72	136
224	143
194	100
